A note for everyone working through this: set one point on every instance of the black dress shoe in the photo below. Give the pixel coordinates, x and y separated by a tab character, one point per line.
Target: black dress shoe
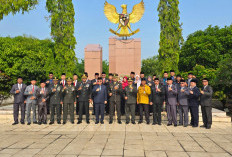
39	123
133	123
45	123
159	123
203	126
119	122
79	122
208	127
64	123
195	126
51	123
87	122
153	123
102	122
15	123
28	123
140	122
169	124
175	125
96	122
35	122
127	122
22	123
59	122
148	123
110	122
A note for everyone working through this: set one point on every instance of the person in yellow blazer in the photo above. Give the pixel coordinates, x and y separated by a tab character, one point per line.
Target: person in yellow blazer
143	100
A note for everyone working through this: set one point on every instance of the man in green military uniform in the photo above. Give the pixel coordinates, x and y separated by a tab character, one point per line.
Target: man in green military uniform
130	95
115	90
55	99
68	101
84	97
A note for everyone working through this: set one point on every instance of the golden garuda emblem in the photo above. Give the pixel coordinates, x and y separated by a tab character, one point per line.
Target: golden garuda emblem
124	19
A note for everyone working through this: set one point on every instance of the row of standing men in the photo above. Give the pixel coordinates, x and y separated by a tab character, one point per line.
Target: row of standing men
141	93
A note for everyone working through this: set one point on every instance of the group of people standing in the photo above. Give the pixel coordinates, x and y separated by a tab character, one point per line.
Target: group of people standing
130	95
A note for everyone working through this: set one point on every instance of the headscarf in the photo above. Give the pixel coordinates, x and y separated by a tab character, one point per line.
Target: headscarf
124	83
138	81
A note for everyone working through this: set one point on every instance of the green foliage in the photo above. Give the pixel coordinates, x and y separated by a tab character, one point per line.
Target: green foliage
224	76
14	6
62	31
26	57
170	35
206	48
105	66
150	66
5	86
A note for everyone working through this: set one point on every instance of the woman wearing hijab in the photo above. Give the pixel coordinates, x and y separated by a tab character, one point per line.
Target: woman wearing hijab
137	81
124	84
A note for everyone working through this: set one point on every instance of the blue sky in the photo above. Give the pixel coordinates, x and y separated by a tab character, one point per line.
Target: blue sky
91	26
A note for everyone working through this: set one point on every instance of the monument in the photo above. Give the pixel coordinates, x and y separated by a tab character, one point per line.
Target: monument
124	53
93	59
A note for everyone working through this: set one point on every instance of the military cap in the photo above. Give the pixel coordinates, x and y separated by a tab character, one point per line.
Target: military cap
115	75
129	79
69	80
55	79
84	76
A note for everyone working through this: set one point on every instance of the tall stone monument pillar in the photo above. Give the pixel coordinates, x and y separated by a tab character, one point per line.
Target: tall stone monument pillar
93	59
124	56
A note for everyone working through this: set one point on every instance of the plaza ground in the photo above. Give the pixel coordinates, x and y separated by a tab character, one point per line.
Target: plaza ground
114	140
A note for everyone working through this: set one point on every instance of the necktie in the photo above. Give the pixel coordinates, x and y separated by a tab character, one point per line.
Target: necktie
33	89
63	83
75	83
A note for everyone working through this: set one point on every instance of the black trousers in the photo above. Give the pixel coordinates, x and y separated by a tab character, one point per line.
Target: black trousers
77	107
207	115
42	113
130	110
16	111
123	102
144	107
194	111
157	107
112	109
55	108
83	105
99	110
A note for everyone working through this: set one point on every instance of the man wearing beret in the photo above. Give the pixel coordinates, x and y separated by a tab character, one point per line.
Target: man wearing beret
19	100
115	91
31	101
171	101
130	96
84	98
206	103
157	99
42	95
55	100
194	103
68	100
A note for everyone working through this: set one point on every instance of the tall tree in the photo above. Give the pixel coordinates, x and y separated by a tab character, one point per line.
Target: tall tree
14	6
62	31
170	35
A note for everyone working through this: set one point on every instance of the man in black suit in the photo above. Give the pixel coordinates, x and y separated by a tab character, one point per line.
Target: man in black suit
93	83
194	103
190	77
19	100
100	99
75	83
49	83
63	81
206	103
132	76
157	99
